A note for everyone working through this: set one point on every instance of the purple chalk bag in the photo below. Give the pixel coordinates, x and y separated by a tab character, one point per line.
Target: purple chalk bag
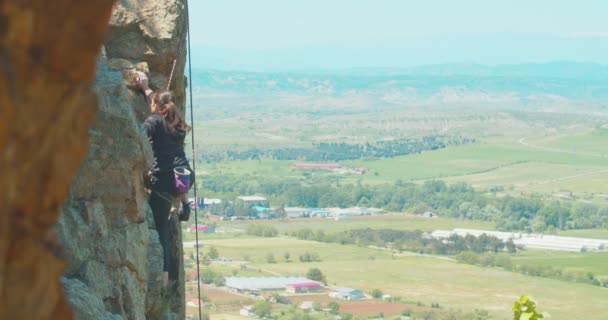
182	179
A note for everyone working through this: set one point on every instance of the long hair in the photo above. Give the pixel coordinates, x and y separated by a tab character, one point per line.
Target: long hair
164	104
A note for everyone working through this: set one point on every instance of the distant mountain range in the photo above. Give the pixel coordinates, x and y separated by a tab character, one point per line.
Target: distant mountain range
543	85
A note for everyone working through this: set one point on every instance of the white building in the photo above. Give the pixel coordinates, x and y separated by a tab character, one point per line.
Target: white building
297	212
251	198
347	294
535	241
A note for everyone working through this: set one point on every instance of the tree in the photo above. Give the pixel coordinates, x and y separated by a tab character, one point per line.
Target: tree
286	256
205	260
364	203
334	307
213	253
219	280
316	306
316	275
281	213
262	309
376	293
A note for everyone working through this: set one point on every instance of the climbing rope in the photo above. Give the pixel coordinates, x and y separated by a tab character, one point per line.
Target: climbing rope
171	74
198	271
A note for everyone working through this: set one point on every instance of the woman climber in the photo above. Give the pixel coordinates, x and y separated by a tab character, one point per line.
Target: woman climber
167	131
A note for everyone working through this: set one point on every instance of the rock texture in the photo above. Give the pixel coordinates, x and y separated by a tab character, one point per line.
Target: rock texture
47	63
112	248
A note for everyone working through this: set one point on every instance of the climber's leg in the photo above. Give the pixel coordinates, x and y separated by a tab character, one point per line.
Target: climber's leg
161	209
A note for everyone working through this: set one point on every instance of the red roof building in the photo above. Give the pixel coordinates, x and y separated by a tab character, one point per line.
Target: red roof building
200	228
304	287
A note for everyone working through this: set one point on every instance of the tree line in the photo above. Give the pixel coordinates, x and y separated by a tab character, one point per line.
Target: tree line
340	151
459	200
415	241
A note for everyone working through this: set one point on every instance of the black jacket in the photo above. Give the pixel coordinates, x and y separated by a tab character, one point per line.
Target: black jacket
167	145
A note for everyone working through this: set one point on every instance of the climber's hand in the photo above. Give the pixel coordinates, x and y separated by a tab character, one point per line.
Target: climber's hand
142	81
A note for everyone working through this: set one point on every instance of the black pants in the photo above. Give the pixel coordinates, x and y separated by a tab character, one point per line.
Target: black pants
160	202
163	190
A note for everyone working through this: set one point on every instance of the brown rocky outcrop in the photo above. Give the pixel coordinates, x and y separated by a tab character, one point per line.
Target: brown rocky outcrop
111	258
47	64
107	227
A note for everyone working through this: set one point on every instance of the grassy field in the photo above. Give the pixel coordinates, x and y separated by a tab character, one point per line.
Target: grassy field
593	142
497	162
426	279
266	167
585	233
480	158
528	167
397	222
588	262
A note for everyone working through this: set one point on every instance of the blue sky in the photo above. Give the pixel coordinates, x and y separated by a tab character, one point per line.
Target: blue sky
302	34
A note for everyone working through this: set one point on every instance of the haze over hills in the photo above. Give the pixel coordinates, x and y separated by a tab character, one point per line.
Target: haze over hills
551	85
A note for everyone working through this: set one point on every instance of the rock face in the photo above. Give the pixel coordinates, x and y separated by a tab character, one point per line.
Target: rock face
112	248
47	64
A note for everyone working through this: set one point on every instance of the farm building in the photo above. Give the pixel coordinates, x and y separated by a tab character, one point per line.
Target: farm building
245	205
536	241
304	287
297	212
262	283
203	203
252	199
263	212
353	211
347	294
318	213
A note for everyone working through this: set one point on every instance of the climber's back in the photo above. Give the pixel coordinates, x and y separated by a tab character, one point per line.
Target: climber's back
167	132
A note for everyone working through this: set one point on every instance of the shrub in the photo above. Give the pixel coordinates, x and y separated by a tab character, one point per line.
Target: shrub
376	293
334	307
525	309
270	258
316	275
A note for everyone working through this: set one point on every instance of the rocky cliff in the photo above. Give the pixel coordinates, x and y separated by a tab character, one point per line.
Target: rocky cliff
111	245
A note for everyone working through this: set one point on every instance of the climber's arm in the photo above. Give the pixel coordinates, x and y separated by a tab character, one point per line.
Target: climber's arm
149	95
142	83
